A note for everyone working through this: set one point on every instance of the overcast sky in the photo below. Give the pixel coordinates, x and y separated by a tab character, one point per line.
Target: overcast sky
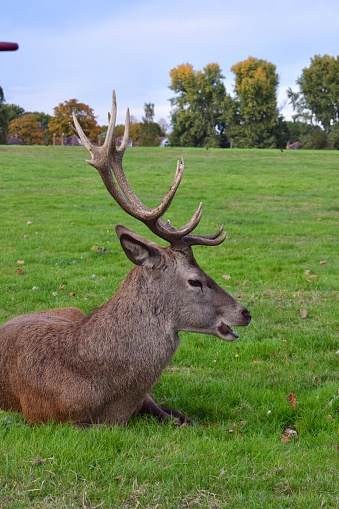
84	49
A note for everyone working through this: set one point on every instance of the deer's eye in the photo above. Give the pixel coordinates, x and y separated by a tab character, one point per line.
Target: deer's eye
195	282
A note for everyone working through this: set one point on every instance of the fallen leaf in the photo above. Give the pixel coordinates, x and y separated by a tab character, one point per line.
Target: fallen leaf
212	425
330	418
226	276
20	262
39	461
72	294
303	313
285	438
307	272
314	276
19	271
61	287
288	433
29	222
173	368
322	262
292	399
240	424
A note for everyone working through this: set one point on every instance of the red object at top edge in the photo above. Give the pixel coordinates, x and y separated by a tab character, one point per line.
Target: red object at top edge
8	46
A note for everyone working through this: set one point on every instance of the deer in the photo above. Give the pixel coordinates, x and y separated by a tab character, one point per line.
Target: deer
65	366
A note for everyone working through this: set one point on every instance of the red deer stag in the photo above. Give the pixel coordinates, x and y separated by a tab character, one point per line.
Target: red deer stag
62	365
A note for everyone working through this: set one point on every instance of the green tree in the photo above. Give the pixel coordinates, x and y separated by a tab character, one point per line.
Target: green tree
256	83
8	112
333	137
60	123
149	112
298	131
197	115
28	129
42	118
317	100
14	111
149	130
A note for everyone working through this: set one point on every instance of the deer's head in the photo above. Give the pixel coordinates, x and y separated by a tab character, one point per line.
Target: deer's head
202	305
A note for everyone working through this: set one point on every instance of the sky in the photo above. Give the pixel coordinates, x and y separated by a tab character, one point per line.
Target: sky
82	50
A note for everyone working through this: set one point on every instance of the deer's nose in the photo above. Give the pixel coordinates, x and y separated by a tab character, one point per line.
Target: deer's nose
247	315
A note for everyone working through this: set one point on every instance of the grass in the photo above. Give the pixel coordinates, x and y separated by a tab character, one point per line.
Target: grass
281	211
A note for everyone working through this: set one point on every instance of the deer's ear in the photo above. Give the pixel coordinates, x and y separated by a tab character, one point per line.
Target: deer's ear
139	250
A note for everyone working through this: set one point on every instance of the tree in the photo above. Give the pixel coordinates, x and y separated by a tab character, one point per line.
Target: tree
149	112
333	137
43	119
162	122
149	131
135	132
28	129
197	114
256	83
119	130
60	123
318	97
14	111
8	112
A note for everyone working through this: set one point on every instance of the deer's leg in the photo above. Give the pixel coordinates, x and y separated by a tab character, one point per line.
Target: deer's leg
178	415
150	407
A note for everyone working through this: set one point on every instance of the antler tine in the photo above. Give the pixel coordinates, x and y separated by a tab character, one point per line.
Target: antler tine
206	240
79	132
172	234
126	133
99	154
109	142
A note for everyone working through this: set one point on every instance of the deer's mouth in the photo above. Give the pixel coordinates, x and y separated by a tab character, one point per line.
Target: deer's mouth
226	333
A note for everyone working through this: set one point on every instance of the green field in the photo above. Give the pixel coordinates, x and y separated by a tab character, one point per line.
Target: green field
281	212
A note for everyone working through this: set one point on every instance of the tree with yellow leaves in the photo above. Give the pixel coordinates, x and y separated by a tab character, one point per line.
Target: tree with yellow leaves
60	123
28	129
256	83
197	115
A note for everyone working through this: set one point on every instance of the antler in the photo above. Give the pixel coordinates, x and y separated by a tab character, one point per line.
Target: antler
107	159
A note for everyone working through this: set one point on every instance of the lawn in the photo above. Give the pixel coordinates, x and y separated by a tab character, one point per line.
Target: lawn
267	405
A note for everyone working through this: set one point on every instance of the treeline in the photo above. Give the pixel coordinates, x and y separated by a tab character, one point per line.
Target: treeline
36	128
204	114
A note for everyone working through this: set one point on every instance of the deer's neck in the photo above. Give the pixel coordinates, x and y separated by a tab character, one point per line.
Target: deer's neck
136	327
